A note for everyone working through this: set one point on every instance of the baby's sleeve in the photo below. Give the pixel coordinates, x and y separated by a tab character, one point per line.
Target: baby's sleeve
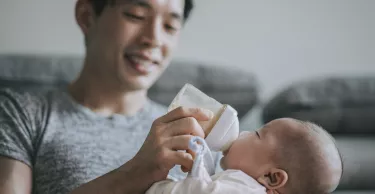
162	187
232	182
186	186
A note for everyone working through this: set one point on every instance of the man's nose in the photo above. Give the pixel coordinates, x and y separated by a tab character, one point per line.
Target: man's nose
152	34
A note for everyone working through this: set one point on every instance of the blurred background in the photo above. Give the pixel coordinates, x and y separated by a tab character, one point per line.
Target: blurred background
312	60
279	41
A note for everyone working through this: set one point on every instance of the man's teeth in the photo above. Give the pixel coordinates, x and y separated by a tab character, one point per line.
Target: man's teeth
140	61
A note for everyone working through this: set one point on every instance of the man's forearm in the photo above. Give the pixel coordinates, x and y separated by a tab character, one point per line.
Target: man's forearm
128	179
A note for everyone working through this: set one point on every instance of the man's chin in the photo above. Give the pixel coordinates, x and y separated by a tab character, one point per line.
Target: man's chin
136	84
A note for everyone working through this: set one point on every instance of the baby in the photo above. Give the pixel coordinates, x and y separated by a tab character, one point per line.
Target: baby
286	156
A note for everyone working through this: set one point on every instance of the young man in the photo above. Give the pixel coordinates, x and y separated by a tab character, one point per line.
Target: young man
100	134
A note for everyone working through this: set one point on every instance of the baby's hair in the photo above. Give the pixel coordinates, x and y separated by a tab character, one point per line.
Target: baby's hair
299	156
314	126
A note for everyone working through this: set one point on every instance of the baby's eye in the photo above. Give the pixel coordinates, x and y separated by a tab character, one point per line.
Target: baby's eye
257	134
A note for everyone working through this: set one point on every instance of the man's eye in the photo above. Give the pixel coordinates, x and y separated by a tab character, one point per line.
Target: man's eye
171	28
134	16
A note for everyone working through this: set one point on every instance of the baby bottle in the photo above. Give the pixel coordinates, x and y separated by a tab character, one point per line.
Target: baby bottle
222	129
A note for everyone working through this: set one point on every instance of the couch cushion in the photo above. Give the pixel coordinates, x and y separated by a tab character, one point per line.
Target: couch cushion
36	71
344	105
229	86
358	158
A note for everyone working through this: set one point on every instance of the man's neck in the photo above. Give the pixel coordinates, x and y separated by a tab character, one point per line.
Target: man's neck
104	98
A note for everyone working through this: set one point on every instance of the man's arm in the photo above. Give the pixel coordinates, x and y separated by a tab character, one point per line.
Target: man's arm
15	177
152	163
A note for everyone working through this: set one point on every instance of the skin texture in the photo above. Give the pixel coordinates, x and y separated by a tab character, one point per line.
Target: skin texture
15	177
261	154
127	48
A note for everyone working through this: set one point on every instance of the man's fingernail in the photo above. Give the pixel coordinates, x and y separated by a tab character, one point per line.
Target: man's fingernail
190	156
209	113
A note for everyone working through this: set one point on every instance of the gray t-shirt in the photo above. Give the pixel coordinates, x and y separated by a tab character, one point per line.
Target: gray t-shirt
66	144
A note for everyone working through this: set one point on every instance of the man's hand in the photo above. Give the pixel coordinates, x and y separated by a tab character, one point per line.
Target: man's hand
168	134
157	156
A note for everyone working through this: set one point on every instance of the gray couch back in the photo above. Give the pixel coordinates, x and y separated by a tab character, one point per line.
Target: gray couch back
227	85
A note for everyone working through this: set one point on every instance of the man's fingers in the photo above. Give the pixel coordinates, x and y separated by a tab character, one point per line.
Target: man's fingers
182	158
188	125
184	169
183	112
191	153
180	142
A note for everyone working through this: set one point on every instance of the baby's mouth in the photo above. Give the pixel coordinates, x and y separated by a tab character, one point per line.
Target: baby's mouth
225	152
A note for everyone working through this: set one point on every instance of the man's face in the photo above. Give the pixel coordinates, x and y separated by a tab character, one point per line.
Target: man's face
252	152
131	43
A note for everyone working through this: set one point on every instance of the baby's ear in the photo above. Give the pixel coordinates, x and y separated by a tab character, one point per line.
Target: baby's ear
273	179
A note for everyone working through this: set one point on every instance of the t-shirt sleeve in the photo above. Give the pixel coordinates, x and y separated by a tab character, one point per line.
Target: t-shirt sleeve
15	129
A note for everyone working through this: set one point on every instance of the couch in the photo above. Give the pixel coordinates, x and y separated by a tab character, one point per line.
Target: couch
239	89
345	107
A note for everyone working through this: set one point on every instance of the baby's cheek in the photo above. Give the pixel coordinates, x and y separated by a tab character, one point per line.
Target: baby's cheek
222	164
228	162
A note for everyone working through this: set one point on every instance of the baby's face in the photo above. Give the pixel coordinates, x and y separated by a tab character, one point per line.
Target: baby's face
252	152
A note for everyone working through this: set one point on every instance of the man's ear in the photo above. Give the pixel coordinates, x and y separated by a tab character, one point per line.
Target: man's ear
273	179
85	15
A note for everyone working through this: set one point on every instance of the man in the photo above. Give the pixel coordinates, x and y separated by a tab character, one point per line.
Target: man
96	136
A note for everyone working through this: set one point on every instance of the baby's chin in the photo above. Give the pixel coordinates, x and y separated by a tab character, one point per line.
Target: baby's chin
222	163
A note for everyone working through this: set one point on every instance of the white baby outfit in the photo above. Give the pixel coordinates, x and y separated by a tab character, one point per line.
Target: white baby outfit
199	181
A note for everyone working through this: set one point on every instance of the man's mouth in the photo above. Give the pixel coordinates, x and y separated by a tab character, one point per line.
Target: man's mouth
142	64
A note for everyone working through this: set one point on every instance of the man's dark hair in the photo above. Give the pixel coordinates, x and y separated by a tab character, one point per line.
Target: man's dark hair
99	6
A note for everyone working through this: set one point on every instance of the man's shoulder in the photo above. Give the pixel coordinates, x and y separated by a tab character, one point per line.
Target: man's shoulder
27	102
22	98
25	98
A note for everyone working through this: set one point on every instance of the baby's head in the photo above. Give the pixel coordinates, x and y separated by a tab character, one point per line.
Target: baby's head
287	156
